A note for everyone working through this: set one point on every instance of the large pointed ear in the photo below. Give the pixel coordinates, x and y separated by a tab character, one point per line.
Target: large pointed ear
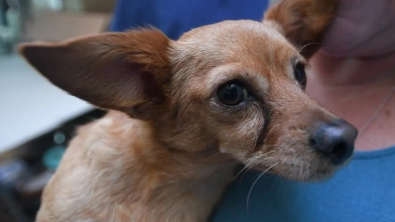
121	71
303	22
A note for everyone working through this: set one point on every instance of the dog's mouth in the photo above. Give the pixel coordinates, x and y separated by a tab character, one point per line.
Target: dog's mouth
304	171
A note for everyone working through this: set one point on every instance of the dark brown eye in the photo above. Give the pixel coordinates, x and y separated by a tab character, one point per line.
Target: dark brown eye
232	93
300	75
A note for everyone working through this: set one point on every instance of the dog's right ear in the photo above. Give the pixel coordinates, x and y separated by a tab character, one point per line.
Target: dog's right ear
303	22
121	71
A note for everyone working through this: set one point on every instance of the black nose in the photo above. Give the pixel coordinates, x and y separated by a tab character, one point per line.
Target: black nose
335	140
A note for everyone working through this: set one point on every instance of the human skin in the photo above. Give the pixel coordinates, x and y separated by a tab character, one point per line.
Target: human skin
354	72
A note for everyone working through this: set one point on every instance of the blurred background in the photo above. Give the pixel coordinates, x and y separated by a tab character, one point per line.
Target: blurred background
37	119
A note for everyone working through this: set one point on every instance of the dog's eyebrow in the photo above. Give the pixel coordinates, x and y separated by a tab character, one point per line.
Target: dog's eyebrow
297	59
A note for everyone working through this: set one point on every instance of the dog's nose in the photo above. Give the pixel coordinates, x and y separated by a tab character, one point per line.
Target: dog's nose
335	140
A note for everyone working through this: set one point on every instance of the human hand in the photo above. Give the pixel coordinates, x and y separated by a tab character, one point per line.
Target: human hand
362	28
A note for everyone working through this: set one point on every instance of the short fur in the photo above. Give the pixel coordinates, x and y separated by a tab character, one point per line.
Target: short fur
167	148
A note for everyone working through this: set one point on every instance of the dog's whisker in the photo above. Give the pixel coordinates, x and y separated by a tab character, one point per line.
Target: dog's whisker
309	44
245	172
245	169
262	157
242	170
251	163
252	187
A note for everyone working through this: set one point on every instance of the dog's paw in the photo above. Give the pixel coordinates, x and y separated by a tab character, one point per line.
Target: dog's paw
303	22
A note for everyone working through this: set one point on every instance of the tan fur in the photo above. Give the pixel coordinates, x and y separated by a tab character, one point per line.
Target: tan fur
167	149
133	173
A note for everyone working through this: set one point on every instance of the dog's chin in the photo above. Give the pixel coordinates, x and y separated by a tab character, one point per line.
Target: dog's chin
303	173
318	175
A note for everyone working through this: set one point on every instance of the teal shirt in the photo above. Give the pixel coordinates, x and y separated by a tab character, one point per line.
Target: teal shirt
363	191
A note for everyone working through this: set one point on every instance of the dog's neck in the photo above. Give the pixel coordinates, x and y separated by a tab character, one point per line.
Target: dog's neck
125	151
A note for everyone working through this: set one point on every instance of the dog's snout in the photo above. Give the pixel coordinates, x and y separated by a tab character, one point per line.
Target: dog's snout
335	140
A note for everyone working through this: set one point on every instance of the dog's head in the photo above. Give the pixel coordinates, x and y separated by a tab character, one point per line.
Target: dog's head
235	87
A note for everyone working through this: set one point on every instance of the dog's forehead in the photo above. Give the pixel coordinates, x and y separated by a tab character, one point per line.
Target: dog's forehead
227	30
241	41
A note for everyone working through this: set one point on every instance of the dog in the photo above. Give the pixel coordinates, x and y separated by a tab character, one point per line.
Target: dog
183	114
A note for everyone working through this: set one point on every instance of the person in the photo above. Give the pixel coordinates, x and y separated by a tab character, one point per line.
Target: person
353	75
175	17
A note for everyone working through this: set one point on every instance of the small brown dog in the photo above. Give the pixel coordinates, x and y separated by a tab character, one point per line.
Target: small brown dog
185	113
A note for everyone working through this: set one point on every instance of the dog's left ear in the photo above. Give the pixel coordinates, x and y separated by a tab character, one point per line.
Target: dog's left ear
120	71
303	22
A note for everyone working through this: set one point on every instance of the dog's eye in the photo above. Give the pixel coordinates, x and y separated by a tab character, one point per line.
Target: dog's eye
232	93
300	75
